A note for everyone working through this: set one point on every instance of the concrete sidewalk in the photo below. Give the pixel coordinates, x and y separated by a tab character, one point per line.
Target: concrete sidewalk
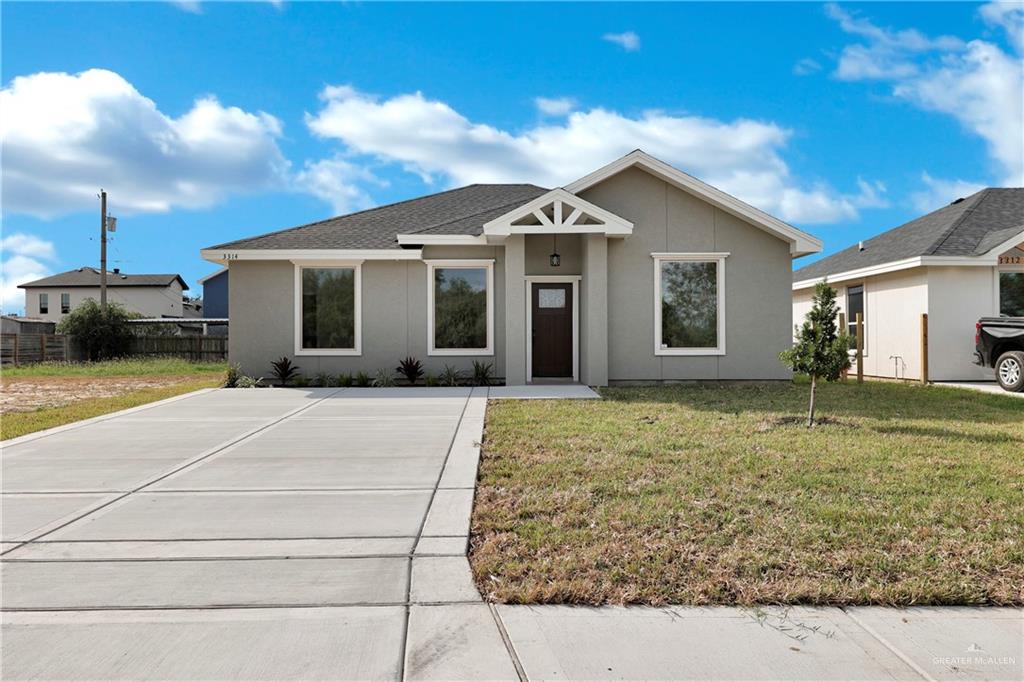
982	386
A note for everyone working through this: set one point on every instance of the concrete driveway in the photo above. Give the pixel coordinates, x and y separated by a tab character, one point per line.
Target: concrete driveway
280	533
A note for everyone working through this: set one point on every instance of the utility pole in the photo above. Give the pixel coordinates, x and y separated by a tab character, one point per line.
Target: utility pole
103	251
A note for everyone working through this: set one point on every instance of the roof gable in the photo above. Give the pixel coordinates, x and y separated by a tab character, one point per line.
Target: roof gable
800	242
560	212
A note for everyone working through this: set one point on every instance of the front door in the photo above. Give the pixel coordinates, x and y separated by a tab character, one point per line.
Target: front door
552	330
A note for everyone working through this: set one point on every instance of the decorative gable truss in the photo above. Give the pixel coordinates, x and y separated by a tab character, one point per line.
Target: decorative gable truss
559	212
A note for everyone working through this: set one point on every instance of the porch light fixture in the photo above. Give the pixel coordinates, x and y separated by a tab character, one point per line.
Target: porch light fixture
554	258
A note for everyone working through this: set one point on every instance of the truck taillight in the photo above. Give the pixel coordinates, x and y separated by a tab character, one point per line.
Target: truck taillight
977	333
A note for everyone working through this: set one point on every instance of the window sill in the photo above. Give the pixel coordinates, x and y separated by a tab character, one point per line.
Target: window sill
328	351
689	351
450	352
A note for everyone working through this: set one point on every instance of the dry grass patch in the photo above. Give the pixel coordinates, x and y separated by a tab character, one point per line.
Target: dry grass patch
697	495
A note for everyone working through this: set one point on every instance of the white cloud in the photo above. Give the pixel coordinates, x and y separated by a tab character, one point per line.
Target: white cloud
65	136
27	245
22	255
335	181
431	139
1009	16
938	192
806	67
190	6
628	41
196	6
977	83
555	106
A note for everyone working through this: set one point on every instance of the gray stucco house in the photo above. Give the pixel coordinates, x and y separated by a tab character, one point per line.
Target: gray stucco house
637	272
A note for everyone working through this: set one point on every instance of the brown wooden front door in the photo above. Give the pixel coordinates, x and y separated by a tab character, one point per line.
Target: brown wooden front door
552	330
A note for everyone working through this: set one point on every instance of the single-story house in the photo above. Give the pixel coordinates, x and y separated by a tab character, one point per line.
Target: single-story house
637	272
53	297
957	264
215	293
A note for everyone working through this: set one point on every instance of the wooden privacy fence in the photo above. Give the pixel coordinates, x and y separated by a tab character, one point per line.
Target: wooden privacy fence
23	349
196	348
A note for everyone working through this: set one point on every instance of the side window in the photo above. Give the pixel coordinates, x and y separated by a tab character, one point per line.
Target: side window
44	304
855	305
65	304
1011	294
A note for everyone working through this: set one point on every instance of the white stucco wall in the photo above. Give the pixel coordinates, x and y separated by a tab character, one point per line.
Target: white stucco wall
957	297
893	304
148	301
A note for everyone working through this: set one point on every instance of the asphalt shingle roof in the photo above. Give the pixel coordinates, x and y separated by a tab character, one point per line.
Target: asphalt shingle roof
90	277
457	211
968	227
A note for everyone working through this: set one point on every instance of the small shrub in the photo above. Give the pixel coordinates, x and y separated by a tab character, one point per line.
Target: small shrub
284	370
102	335
232	376
411	369
431	379
483	373
300	382
322	379
245	381
450	376
383	379
345	380
362	379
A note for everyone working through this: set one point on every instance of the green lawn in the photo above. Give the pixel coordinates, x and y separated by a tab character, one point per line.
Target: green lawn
129	367
698	495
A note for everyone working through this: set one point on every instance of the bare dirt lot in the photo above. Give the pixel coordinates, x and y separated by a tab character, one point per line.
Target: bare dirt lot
32	393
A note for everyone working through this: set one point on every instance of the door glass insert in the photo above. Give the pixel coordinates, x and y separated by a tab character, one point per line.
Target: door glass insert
551	298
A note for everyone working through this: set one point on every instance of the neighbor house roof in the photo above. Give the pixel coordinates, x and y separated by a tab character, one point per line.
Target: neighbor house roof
969	227
461	211
90	277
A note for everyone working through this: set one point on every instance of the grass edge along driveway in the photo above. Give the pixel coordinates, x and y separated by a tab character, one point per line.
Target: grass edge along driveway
708	495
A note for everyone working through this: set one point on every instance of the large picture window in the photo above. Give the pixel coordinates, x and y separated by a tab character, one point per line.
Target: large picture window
328	310
1011	294
689	306
461	317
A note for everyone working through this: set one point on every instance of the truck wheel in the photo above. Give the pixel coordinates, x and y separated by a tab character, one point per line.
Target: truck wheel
1010	371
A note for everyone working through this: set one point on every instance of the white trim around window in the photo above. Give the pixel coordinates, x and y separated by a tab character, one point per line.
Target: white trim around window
710	257
357	265
474	264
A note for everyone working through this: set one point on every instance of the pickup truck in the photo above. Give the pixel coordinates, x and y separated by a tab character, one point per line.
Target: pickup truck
999	344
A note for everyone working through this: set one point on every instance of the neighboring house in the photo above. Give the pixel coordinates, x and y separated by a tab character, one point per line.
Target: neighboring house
215	294
636	272
959	263
15	324
51	298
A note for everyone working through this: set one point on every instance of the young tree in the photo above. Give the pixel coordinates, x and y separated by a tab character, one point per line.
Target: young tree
102	335
822	349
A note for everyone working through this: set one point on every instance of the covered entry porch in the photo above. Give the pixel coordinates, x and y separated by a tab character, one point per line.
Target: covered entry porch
556	289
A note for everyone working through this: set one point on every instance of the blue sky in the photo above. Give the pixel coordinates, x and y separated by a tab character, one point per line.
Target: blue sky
212	121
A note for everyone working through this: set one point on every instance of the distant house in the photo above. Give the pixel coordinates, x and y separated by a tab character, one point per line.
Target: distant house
15	324
215	294
959	263
51	298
